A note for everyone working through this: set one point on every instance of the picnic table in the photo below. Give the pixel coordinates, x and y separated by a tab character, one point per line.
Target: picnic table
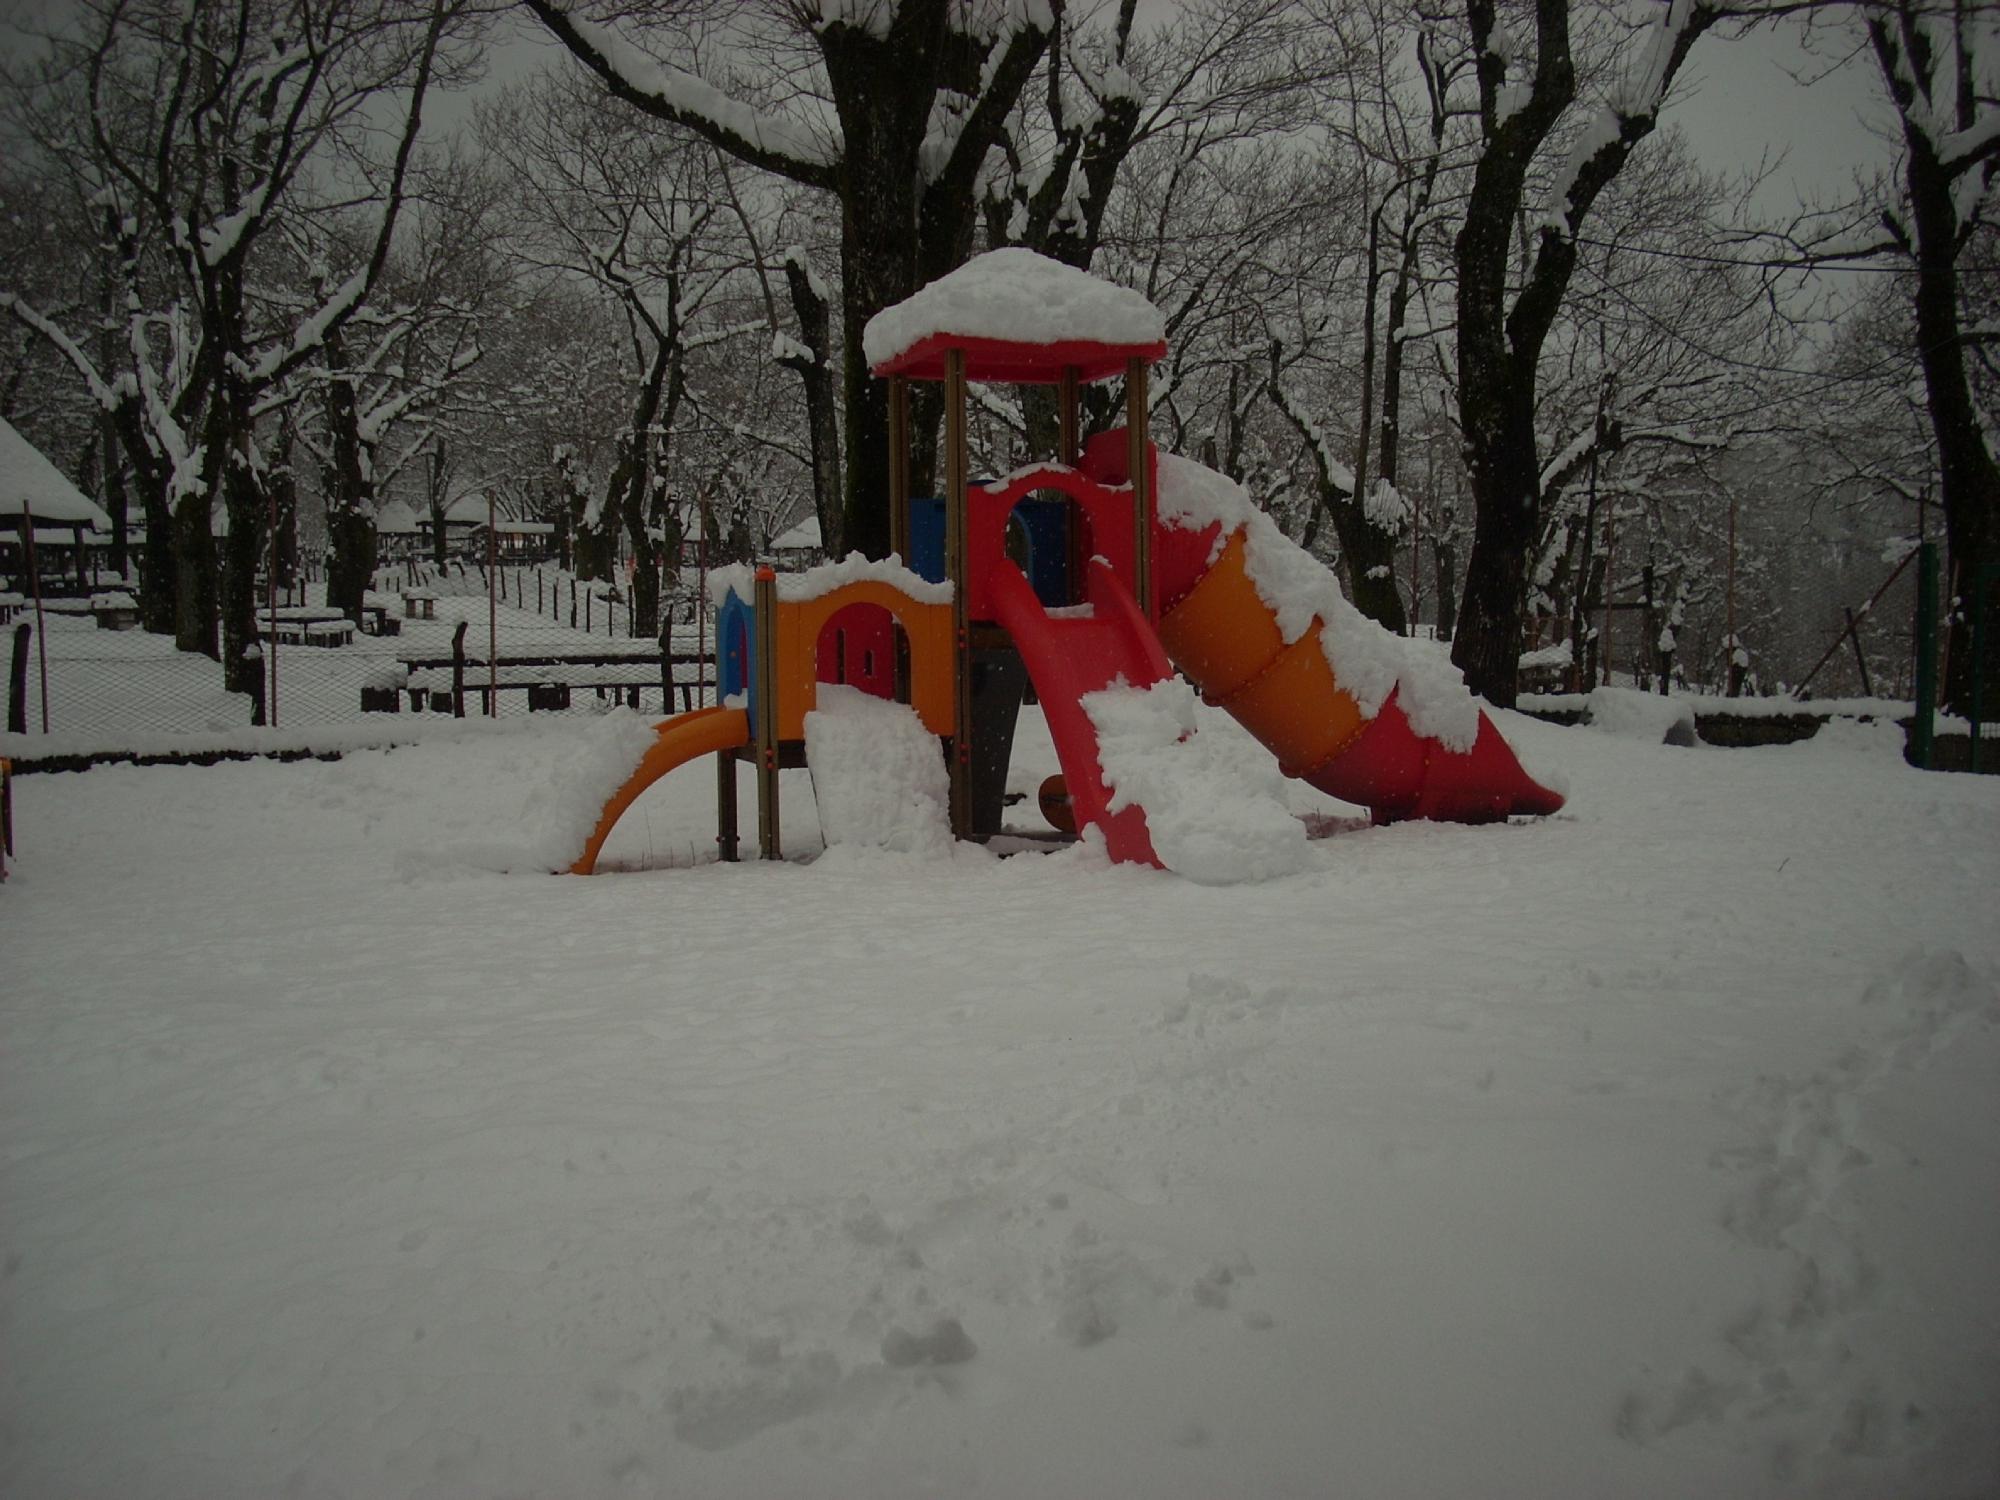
548	681
376	620
307	625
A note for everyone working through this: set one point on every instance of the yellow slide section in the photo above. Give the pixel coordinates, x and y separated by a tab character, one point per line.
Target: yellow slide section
681	739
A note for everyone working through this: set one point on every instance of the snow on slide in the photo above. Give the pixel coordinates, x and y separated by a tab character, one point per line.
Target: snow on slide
1138	775
1265	632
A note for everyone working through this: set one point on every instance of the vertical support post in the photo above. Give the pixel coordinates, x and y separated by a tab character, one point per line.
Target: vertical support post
899	467
1142	484
1732	673
1922	730
725	805
1982	580
41	624
17	681
492	617
271	598
1070	445
955	464
458	671
1066	415
769	842
1610	588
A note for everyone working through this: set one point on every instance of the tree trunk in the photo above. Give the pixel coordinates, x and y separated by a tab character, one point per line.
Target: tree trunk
350	495
245	504
195	595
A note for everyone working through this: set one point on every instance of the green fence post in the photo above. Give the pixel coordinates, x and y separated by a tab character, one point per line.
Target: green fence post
1927	662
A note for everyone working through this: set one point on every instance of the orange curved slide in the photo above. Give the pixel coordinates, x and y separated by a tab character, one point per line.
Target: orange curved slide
1221	633
679	740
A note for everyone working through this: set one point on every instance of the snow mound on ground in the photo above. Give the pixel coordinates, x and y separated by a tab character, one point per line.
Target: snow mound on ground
544	789
877	774
1631	714
1367	661
1210	821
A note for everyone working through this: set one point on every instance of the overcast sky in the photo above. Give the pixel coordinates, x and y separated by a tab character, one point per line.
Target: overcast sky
1738	102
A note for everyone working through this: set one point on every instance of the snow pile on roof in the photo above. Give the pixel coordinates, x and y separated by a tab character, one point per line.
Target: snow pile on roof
801	537
30	483
1367	661
1017	296
1211	822
877	776
815	583
395	518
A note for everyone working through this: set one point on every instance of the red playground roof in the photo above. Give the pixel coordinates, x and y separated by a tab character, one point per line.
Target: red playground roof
1004	362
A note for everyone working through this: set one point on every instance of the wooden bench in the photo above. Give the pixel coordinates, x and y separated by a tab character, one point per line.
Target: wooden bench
420	604
549	681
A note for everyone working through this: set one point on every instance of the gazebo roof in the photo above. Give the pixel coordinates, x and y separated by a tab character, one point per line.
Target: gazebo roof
1020	318
30	483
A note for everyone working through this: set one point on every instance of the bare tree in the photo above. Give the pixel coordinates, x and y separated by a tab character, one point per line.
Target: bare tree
211	125
896	109
1504	314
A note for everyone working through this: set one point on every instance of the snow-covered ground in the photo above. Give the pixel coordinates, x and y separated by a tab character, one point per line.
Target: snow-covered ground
1646	1151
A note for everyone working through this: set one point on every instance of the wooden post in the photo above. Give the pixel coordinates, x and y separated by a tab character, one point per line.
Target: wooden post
1066	414
458	671
725	805
17	681
1732	674
41	625
492	616
899	467
769	842
955	464
1070	451
1610	588
1142	484
271	599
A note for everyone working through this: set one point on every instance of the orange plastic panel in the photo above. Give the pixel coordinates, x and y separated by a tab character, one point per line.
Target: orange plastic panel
1296	709
928	627
1222	634
679	740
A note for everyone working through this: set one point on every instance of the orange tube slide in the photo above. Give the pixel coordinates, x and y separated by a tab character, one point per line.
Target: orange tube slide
1221	633
679	740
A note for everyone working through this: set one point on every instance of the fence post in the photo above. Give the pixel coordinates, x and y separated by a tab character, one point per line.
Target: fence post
17	681
458	671
1927	659
1982	579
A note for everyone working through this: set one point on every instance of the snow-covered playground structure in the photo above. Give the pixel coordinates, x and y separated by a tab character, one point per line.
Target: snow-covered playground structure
1096	577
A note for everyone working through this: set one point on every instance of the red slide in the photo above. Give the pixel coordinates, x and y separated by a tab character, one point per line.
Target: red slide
1072	653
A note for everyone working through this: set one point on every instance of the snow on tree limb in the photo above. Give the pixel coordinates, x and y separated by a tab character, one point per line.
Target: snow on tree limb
670	93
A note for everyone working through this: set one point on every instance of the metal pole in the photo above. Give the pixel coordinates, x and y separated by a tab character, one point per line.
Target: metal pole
41	625
492	615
